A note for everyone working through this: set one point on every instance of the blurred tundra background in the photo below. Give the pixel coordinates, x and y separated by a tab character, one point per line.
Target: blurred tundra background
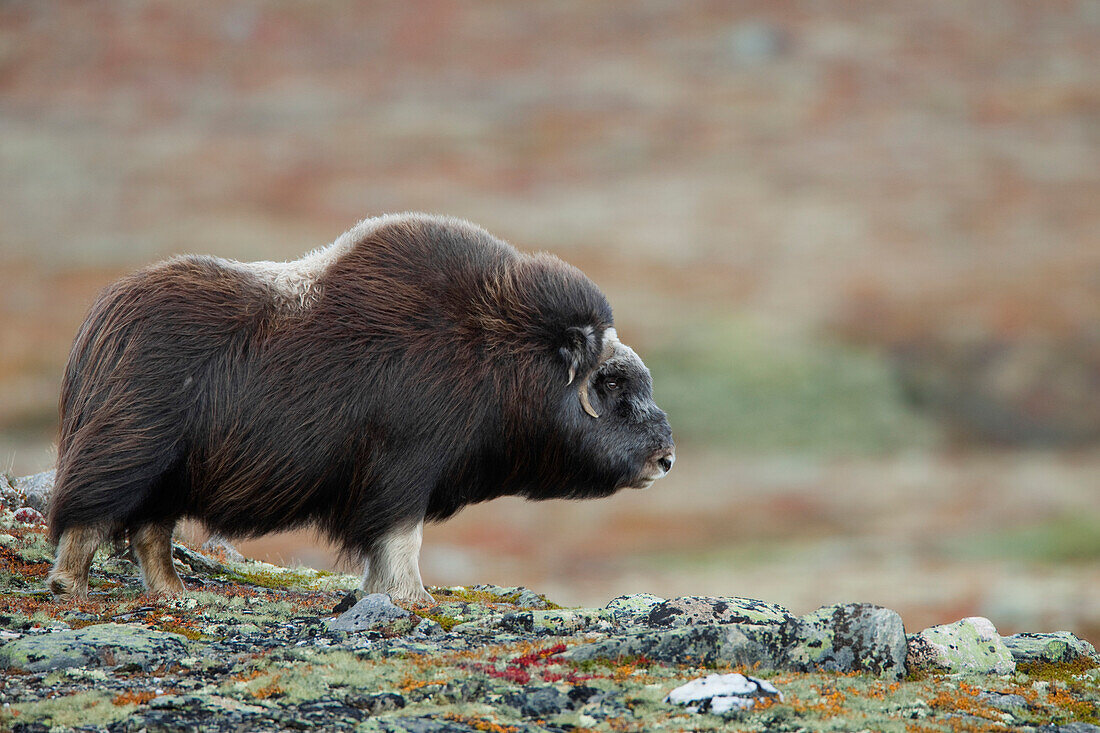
857	244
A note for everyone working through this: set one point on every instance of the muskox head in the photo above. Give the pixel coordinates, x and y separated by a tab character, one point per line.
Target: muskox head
608	407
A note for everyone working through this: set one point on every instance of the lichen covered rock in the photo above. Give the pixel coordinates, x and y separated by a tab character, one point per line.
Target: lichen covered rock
848	637
734	644
35	489
697	610
632	609
375	612
101	645
1057	648
969	646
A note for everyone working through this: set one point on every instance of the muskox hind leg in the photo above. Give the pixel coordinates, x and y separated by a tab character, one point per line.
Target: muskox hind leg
75	549
393	565
152	544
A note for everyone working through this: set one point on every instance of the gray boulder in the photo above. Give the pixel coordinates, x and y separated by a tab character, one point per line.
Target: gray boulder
35	489
842	638
848	637
697	610
101	645
375	612
735	644
1057	648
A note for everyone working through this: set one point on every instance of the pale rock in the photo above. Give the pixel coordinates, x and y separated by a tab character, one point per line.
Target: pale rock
969	646
723	693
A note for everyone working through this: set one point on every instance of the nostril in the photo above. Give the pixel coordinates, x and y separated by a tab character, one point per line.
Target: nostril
666	461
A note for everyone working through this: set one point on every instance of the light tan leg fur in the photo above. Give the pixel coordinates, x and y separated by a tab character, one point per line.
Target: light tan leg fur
393	566
152	544
69	578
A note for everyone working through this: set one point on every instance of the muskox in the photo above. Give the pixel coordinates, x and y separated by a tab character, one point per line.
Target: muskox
414	366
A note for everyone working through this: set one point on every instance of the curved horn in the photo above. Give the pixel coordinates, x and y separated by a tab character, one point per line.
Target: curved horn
582	392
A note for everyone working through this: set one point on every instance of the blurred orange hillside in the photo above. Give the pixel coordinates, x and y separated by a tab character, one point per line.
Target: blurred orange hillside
857	244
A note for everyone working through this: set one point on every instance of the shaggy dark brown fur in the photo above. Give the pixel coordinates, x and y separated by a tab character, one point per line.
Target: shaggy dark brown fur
422	366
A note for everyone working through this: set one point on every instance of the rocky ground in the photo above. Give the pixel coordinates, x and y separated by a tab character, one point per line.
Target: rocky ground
258	647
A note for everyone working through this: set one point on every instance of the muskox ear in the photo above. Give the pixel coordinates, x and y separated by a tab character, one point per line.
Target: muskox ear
581	350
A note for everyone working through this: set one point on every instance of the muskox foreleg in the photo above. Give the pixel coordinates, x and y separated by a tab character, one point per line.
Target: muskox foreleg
75	549
152	544
393	565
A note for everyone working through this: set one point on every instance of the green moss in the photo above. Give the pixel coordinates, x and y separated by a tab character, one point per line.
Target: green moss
1066	672
589	666
446	622
302	675
469	596
184	631
486	597
271	579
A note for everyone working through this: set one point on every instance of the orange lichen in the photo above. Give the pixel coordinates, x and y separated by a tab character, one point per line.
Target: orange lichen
832	699
132	697
878	691
246	676
11	562
272	689
1069	706
480	723
965	700
409	683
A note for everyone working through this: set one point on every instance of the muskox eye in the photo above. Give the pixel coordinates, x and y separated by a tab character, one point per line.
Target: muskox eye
611	384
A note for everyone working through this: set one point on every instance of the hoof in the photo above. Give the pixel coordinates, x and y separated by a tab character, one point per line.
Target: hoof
67	589
417	599
166	589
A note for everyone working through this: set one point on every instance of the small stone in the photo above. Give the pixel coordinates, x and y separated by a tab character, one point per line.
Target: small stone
1003	700
1056	648
519	622
723	693
538	702
36	489
427	627
497	591
349	600
375	612
198	562
377	703
29	515
527	598
970	646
